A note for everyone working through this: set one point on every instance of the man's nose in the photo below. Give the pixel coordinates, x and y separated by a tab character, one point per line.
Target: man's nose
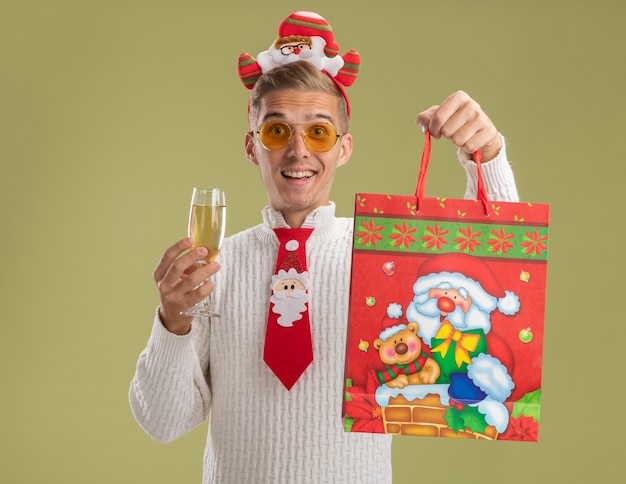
298	144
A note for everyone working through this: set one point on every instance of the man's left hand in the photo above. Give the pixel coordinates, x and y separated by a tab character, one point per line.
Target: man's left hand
461	120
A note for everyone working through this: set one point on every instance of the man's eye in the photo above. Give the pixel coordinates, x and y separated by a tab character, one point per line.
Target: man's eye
277	130
317	131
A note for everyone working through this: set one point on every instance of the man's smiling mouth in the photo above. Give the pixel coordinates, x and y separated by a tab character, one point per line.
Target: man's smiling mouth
297	175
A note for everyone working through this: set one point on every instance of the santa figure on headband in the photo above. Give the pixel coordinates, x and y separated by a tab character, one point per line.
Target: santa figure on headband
302	36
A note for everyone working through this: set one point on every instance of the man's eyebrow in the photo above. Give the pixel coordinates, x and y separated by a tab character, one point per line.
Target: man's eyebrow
327	117
272	114
311	117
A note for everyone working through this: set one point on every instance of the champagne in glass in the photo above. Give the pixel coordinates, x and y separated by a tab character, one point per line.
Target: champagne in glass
207	224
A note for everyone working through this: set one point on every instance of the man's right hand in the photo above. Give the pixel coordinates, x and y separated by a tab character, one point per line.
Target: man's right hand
177	278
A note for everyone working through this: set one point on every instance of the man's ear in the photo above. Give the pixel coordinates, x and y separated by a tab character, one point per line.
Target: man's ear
250	148
346	149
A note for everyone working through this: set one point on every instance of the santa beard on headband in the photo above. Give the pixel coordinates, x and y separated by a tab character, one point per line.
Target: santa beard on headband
273	57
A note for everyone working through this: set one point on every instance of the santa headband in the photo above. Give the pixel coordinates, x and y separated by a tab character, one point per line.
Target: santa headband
303	36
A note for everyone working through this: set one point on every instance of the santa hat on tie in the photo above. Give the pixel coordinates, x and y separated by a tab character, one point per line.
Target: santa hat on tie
291	261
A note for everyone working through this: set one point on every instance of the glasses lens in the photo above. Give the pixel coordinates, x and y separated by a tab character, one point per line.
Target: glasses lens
274	135
320	137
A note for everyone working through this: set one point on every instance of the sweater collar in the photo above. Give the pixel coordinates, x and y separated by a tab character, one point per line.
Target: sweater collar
321	219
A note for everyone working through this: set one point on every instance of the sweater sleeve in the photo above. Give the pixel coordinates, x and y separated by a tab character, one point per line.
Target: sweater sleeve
497	174
169	394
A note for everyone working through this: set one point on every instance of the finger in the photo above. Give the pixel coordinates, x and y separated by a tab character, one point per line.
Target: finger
453	112
197	279
424	118
186	293
457	122
470	129
173	304
181	269
462	127
474	137
199	293
169	256
463	121
487	140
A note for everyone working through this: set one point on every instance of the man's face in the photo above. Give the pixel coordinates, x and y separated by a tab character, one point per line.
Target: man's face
296	178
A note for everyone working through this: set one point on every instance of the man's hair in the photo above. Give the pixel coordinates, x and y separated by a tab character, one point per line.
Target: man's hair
297	76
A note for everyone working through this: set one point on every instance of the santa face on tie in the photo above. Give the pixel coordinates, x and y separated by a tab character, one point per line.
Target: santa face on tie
289	296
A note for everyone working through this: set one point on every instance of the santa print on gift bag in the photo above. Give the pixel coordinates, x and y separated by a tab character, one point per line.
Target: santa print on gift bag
446	317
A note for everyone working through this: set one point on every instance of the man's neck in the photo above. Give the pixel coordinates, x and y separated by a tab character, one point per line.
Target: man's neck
295	220
318	218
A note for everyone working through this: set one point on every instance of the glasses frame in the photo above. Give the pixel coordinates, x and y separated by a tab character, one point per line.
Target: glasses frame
290	48
298	127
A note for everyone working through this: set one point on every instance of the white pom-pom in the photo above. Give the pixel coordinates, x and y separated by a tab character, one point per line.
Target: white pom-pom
509	304
394	310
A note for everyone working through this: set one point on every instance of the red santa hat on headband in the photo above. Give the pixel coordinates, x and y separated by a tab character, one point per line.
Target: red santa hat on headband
309	37
310	24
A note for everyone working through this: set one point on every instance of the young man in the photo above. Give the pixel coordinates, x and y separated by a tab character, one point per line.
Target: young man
262	429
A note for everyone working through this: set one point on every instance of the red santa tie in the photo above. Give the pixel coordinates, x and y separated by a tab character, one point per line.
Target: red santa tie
288	345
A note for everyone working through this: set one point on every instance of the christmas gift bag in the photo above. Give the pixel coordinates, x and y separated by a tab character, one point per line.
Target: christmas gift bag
446	315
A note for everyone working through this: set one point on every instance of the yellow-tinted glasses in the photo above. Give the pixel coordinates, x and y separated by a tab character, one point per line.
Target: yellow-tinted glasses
320	137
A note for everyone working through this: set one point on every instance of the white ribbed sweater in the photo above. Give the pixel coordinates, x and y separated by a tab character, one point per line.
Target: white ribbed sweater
258	431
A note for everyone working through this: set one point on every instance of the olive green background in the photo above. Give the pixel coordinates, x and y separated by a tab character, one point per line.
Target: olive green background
110	111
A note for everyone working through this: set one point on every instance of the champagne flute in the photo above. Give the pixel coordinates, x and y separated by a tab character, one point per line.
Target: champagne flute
207	223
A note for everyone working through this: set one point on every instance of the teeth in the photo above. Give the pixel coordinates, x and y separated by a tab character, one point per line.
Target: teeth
298	174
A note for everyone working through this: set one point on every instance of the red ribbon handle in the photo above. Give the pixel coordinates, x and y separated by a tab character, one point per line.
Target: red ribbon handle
481	192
